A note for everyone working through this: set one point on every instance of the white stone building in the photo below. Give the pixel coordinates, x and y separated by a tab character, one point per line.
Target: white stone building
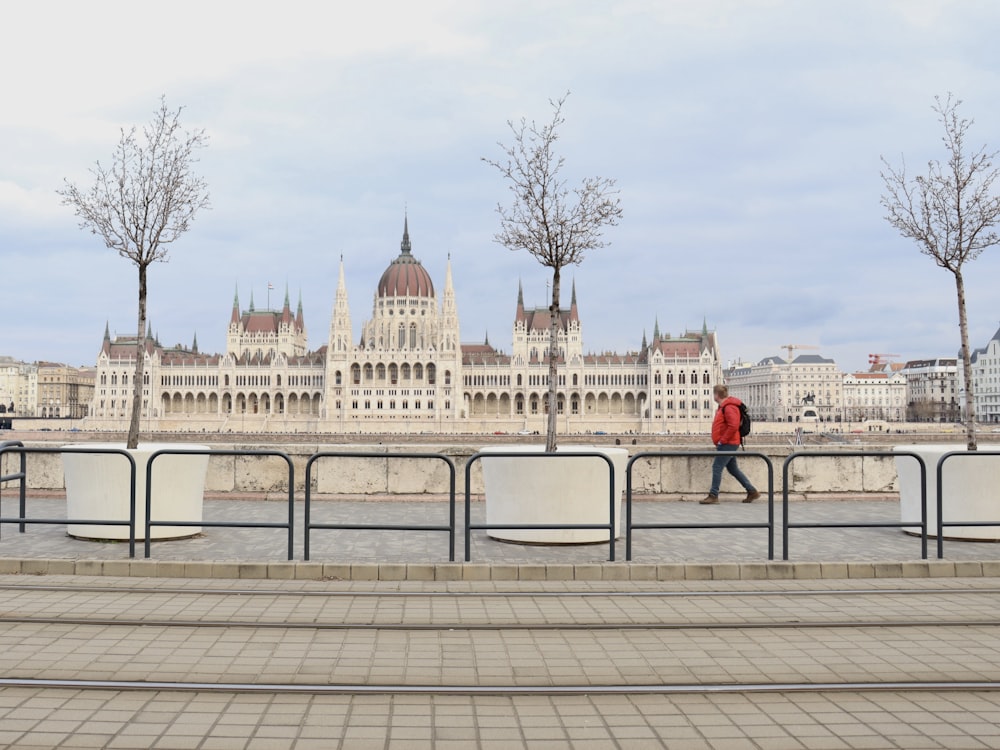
18	387
932	390
408	373
875	395
809	388
986	380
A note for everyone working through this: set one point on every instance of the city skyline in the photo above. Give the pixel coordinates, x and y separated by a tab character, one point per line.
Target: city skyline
745	138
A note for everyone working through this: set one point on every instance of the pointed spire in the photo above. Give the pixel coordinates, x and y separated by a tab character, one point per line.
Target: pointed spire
404	246
704	326
194	345
341	281
107	331
656	330
251	300
645	345
573	297
486	341
235	316
149	330
286	310
520	294
574	315
300	322
448	287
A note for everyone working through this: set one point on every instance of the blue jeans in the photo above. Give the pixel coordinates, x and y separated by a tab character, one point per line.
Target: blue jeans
727	460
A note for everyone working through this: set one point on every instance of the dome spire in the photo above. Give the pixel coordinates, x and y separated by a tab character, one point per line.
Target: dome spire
404	246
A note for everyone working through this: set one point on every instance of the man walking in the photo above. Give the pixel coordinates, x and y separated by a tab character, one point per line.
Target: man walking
726	436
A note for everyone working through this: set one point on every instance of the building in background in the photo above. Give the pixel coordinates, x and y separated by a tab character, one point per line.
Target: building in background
986	380
64	391
18	387
932	390
809	388
408	373
875	396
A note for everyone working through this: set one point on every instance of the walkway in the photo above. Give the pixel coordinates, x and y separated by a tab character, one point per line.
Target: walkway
527	647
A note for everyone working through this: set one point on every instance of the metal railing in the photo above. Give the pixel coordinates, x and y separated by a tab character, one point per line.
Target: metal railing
941	523
20	476
449	527
469	526
629	525
289	525
786	524
23	518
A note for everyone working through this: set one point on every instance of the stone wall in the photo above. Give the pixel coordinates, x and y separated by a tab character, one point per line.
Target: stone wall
381	474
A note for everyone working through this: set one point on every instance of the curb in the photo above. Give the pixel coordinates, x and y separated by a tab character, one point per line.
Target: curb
755	571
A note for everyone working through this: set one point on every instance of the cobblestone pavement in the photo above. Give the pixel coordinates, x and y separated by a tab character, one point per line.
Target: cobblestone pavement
705	664
649	545
655	665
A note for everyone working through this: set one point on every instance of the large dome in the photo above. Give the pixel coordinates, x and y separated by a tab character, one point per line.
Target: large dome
405	277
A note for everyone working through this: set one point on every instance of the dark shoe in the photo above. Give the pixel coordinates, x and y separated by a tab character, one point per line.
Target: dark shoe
709	500
751	496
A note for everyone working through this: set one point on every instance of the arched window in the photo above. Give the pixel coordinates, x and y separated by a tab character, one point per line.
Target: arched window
447	377
431	374
418	371
402	336
393	374
369	370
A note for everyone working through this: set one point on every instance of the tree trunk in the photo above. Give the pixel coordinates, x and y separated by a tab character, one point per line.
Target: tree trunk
140	361
963	326
553	396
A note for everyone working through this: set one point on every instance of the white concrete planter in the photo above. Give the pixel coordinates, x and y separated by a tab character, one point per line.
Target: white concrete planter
97	487
971	491
552	491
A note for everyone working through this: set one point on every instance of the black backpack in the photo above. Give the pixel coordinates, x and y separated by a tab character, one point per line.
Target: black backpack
745	421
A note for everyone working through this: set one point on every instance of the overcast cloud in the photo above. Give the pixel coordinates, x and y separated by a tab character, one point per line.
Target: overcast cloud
745	137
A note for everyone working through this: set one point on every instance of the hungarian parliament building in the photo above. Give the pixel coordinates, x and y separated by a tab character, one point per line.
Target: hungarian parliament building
408	373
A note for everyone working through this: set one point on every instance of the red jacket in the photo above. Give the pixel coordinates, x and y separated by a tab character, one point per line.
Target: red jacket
726	426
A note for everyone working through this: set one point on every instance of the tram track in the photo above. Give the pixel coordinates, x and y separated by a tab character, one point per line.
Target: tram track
934	686
539	626
550	646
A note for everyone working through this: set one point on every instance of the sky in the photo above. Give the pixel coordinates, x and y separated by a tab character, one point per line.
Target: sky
745	137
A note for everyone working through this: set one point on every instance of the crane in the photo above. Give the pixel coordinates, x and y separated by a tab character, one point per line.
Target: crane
792	347
877	360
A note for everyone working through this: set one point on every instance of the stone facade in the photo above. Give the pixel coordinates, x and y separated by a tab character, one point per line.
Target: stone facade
409	373
932	390
809	388
18	387
986	380
64	391
875	395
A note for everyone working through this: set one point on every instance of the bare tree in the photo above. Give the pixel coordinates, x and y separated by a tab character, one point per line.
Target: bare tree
952	215
139	205
554	223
